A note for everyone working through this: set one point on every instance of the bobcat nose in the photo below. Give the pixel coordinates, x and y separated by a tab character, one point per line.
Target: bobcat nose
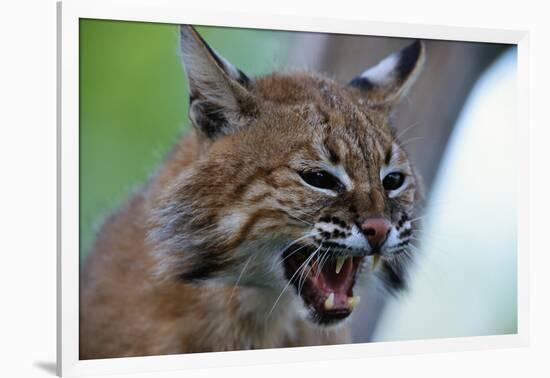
376	230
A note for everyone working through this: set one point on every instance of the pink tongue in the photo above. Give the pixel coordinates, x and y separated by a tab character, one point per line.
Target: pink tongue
340	301
340	284
341	281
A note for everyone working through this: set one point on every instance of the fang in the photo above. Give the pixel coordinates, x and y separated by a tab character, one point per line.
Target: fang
329	302
340	260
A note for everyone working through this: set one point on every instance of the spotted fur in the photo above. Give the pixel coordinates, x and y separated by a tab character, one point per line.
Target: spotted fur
192	262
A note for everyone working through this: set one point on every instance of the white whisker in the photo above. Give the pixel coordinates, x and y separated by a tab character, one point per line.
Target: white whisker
299	219
324	259
284	289
239	278
303	277
404	131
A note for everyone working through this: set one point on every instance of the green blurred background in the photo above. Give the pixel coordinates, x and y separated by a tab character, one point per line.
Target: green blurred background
133	102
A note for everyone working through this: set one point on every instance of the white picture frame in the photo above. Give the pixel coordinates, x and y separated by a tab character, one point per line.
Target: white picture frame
173	11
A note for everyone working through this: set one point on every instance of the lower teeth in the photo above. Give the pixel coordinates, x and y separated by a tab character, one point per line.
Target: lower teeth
329	302
353	302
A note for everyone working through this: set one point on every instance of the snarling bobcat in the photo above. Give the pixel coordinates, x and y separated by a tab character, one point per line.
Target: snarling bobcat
254	230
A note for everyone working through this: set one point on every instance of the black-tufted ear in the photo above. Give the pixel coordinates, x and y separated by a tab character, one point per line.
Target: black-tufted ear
219	100
385	83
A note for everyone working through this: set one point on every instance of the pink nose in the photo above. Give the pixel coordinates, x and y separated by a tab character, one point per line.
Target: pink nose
376	230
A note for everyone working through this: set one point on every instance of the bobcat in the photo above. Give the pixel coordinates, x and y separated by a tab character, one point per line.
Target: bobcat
255	229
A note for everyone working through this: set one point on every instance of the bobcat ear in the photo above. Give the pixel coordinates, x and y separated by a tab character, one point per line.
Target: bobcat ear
218	94
385	83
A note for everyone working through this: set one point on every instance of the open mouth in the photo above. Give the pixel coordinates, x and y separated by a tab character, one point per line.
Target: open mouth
325	282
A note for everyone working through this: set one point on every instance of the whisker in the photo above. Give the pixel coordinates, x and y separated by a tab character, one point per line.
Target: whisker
417	218
284	289
296	250
324	260
297	240
413	139
404	131
303	276
239	278
301	220
301	212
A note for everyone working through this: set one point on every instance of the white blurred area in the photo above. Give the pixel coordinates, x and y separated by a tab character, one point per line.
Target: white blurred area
464	282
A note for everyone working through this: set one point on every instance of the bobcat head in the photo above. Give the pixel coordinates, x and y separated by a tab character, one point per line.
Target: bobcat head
300	185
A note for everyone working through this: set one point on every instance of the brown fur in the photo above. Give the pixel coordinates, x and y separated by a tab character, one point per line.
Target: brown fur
163	275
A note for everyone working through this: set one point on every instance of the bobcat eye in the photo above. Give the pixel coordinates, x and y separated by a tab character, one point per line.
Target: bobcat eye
393	181
321	179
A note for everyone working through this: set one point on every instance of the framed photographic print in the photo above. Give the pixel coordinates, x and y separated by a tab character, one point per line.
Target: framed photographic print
239	190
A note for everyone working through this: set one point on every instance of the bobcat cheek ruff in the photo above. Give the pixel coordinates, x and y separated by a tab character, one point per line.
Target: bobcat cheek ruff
313	151
257	227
